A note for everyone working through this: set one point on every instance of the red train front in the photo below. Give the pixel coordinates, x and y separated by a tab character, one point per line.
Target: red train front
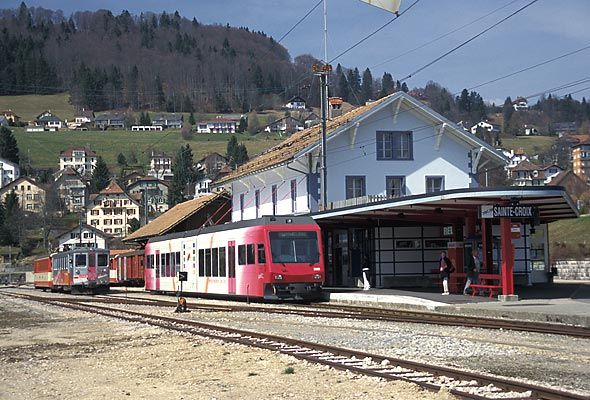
270	257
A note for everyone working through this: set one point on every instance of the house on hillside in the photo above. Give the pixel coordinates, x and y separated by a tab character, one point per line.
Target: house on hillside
311	119
296	103
581	160
49	121
112	209
9	172
373	152
285	126
574	185
31	195
110	121
160	166
218	125
80	158
153	193
71	189
521	103
488	126
173	121
564	128
530	130
212	163
83	120
527	173
82	236
551	171
10	116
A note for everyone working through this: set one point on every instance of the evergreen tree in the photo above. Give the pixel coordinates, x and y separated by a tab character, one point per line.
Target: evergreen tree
243	124
8	146
241	156
133	225
121	160
133	88
100	176
191	119
230	152
507	111
387	85
343	87
184	174
160	96
367	86
405	88
144	118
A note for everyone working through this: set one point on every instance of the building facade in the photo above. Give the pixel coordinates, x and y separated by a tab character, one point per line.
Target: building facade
112	209
9	172
79	158
31	195
153	195
71	189
581	160
218	125
160	166
82	236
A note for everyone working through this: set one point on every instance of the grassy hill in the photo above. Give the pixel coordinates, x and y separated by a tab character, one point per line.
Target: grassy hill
532	145
43	148
29	106
570	238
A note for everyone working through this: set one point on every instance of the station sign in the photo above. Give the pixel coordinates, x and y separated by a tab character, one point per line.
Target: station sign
508	211
183	276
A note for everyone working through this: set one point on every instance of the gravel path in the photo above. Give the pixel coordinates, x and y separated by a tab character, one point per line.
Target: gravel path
47	353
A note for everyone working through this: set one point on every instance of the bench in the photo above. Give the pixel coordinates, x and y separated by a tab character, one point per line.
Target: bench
488	281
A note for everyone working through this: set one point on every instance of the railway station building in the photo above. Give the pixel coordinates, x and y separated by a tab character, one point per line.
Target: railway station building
402	185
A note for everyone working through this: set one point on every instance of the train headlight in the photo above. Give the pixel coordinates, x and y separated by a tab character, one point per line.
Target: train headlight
77	272
278	277
317	276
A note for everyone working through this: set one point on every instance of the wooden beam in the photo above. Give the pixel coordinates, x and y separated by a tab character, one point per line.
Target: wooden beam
439	135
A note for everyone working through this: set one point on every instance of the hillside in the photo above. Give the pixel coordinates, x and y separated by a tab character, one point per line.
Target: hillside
29	106
570	238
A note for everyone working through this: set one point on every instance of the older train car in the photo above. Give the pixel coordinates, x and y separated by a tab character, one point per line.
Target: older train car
271	258
81	270
126	267
43	276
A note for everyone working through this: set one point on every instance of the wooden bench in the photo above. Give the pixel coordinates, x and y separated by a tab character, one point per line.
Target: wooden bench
487	281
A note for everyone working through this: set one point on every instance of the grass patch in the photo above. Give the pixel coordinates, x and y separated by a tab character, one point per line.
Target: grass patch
289	371
29	106
532	145
43	148
570	238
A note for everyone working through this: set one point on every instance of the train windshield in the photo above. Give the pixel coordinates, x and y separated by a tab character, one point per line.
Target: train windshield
80	260
102	260
294	247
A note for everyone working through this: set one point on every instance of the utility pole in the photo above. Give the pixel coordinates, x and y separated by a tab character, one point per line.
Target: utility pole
323	71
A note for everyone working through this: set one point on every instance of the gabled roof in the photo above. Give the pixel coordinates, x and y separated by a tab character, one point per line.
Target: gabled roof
159	154
219	120
146	179
211	155
70	150
169	118
296	98
9	113
526	165
109	117
112	188
304	141
47	116
96	231
563	175
85	113
176	216
17	182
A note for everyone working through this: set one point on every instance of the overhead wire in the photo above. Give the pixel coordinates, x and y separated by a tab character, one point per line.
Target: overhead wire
437	59
300	21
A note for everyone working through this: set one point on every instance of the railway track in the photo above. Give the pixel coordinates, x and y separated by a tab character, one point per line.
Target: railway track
465	385
381	314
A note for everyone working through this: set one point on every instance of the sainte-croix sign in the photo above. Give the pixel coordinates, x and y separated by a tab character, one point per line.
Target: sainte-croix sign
508	211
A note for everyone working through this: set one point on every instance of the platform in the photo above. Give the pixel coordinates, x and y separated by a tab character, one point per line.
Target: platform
563	302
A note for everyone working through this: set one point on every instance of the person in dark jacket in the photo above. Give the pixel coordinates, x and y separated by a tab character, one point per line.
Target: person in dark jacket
472	270
445	269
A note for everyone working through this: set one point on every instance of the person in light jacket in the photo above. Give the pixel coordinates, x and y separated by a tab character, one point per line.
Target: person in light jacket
472	270
445	269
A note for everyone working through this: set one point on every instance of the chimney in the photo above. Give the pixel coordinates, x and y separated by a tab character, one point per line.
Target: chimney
334	107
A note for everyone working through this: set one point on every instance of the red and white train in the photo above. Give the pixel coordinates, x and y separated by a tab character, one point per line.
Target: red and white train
271	258
77	270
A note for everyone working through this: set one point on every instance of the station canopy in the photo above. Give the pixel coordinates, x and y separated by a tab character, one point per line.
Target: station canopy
553	204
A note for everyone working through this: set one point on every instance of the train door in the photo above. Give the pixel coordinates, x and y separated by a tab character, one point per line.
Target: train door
157	268
340	260
231	267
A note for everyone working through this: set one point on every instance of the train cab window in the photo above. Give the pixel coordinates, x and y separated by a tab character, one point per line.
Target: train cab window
250	254
201	262
149	261
102	260
80	260
261	254
222	261
207	262
242	254
215	262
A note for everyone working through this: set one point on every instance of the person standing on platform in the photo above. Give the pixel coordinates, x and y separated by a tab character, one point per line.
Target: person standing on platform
445	269
472	270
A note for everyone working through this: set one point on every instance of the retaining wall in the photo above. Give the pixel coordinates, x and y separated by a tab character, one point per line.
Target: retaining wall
573	269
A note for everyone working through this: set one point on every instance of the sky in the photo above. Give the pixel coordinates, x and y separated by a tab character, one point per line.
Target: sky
543	31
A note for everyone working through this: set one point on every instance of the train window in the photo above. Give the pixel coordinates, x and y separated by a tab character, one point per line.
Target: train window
294	246
231	261
222	261
149	261
207	262
242	254
162	264
250	254
102	260
176	262
201	262
261	254
168	272
215	262
80	260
